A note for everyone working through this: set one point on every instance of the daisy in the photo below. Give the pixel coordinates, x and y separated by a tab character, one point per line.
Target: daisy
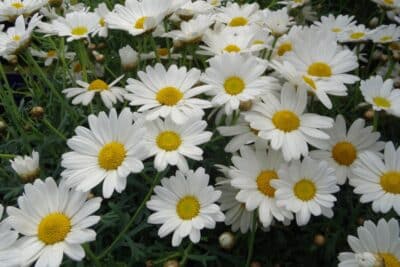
294	3
334	24
252	174
185	204
379	181
53	220
51	55
285	124
234	15
242	135
343	148
385	34
353	34
9	253
163	53
129	57
167	93
108	151
285	43
389	4
11	9
376	245
232	78
381	95
306	188
27	167
277	22
138	17
191	9
102	11
235	212
109	93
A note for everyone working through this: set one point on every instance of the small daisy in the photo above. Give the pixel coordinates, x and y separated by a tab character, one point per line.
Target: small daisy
51	55
354	34
138	17
232	78
379	181
337	24
167	93
108	151
285	43
385	34
381	95
9	252
344	148
185	204
191	9
53	220
235	212
234	15
294	3
376	245
252	174
389	4
27	167
11	9
306	188
109	93
286	125
102	11
277	22
171	143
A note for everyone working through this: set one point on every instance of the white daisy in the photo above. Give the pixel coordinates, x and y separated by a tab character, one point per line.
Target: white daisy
376	245
277	22
10	255
353	34
102	11
191	9
109	93
27	167
306	188
285	124
385	34
285	43
234	15
379	181
11	9
381	95
232	78
343	148
137	17
129	57
171	143
334	24
53	220
167	93
185	204
252	174
108	151
294	3
51	55
390	4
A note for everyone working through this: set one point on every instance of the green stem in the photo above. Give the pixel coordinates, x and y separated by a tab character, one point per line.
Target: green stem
184	259
390	69
51	127
83	59
272	48
121	235
91	255
376	120
251	240
154	45
7	156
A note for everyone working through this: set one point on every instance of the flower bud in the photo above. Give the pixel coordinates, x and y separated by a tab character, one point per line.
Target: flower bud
226	240
255	264
373	22
129	57
37	112
27	167
171	263
319	240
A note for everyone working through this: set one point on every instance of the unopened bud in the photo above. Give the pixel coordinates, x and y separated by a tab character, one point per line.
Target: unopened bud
255	264
37	112
369	114
319	240
171	263
92	46
226	240
129	57
373	22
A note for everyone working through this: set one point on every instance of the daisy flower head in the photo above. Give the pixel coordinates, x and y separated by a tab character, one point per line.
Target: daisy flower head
294	3
385	34
343	148
277	22
381	95
109	93
334	24
306	188
285	43
172	143
377	180
232	78
108	151
102	11
50	56
388	4
284	123
53	220
185	204
236	214
167	93
137	17
354	34
9	253
252	174
235	15
376	245
11	9
27	167
191	9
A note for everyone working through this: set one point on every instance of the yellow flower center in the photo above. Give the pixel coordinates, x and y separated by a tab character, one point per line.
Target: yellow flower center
111	156
258	42
188	207
98	85
102	22
54	228
79	31
344	153
139	24
238	21
283	48
336	29
168	140
357	35
169	96
16	38
388	2
390	182
234	85
232	48
310	82
17	5
389	260
263	182
382	102
51	53
305	189
386	38
286	120
320	69
162	52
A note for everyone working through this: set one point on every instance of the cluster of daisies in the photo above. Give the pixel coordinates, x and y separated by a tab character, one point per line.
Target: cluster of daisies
263	70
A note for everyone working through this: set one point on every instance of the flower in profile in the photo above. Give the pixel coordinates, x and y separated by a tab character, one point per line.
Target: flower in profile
10	255
27	167
11	9
102	11
385	34
334	24
53	220
129	57
50	56
388	4
277	22
185	204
